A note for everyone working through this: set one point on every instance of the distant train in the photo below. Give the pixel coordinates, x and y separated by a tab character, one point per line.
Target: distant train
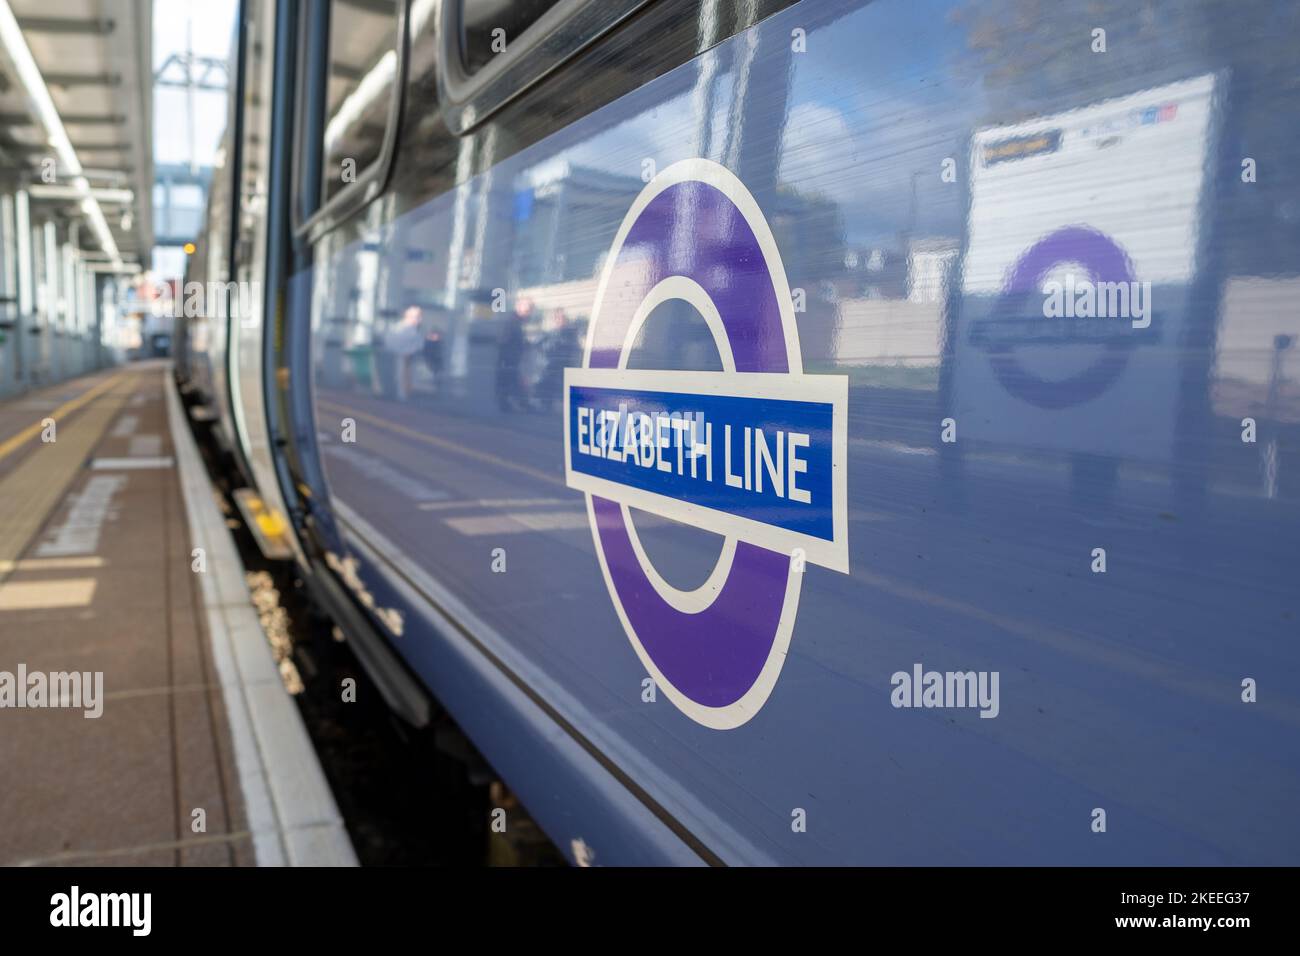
822	433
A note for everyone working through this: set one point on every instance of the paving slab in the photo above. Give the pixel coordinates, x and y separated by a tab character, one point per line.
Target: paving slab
96	580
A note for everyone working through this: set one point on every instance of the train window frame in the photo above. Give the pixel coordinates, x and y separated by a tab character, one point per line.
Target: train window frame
467	99
309	128
310	70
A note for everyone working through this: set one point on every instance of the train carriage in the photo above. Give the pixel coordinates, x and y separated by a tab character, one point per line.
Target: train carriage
834	432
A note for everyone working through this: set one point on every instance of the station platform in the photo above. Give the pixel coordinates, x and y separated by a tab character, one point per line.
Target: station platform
143	721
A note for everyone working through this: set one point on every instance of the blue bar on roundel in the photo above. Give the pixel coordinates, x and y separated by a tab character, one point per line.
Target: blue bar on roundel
765	459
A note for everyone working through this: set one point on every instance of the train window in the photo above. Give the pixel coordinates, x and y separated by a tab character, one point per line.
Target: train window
253	187
488	26
362	74
493	50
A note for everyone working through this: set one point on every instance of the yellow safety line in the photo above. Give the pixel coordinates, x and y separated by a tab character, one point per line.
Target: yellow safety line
51	564
11	444
37	484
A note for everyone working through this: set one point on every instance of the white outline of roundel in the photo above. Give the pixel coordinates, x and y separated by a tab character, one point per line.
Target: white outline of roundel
713	174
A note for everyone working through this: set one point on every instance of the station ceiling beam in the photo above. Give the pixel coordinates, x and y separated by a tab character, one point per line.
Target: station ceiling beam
17	57
83	79
84	26
93	119
48	191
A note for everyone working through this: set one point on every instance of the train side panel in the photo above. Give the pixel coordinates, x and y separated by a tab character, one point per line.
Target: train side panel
1092	514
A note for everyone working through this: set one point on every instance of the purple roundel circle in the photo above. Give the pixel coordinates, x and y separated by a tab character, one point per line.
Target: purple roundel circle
710	660
1105	262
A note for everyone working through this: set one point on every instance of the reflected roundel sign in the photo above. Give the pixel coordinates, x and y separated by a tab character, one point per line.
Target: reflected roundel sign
754	453
1105	261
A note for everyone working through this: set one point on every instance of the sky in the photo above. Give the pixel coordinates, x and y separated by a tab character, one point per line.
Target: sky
209	26
206	27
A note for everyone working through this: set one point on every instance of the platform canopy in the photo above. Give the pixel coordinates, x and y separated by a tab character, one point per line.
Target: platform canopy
76	99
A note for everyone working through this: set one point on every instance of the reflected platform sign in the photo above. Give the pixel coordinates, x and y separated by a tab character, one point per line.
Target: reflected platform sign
1097	206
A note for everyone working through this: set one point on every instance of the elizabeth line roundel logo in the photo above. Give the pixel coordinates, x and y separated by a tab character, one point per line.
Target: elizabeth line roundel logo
755	453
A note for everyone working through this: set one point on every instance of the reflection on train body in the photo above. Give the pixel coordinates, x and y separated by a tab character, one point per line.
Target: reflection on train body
928	170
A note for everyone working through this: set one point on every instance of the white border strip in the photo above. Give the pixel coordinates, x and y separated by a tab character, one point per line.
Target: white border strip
291	812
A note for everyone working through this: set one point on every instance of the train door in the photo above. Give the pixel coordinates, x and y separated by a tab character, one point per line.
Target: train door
253	296
346	80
